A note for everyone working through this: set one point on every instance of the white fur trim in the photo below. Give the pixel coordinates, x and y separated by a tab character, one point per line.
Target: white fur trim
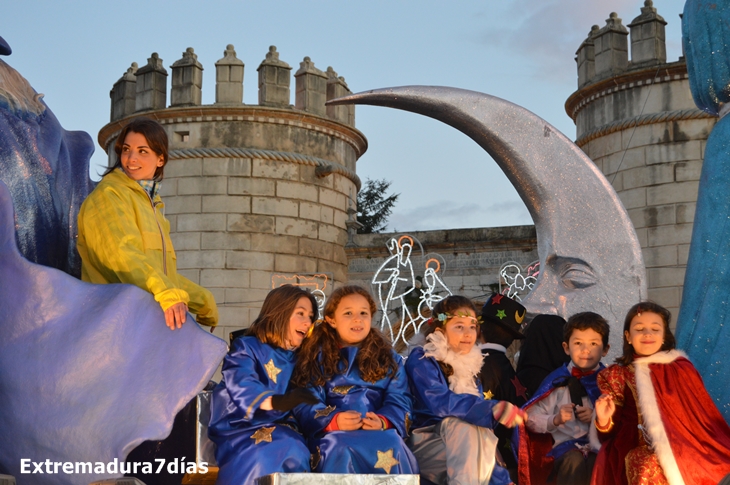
466	366
651	414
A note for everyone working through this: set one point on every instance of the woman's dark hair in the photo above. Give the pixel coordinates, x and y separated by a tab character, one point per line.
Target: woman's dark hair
449	305
272	325
156	139
651	307
320	358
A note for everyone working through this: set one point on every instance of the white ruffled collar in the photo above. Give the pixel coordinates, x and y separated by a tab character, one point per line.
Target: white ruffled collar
466	366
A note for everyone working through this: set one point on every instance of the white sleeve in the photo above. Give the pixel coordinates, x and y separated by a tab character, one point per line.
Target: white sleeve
540	416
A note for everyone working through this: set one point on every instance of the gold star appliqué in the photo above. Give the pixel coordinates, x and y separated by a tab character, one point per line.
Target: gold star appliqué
488	395
324	412
263	434
342	390
314	459
408	423
272	370
386	461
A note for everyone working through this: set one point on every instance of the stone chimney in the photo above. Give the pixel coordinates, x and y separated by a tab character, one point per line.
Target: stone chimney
336	88
648	43
187	80
311	88
611	48
124	94
274	80
151	85
229	78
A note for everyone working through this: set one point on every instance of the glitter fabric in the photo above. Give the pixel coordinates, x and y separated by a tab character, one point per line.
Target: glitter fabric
703	325
590	257
46	169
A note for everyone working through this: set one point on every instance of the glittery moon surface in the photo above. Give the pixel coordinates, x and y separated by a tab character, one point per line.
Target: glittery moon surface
589	253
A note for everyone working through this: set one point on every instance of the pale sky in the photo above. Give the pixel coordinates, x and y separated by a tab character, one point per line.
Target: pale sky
519	50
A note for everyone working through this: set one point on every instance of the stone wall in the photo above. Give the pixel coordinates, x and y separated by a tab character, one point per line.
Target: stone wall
470	259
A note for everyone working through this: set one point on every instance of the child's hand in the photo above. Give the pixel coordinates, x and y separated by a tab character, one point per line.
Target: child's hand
565	415
508	415
349	421
584	414
372	421
604	409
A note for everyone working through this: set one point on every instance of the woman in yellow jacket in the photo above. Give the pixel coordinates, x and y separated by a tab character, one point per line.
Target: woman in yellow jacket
124	236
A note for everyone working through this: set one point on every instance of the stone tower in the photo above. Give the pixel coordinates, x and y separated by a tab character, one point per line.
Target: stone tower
256	195
635	118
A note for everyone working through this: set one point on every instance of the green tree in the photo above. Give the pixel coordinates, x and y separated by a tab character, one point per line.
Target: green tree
374	206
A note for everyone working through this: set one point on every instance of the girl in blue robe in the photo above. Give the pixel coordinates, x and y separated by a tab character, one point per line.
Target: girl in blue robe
364	407
250	420
453	424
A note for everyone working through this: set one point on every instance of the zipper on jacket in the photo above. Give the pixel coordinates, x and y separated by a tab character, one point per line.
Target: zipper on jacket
162	236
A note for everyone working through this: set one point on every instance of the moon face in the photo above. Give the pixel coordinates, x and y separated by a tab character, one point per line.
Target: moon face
590	257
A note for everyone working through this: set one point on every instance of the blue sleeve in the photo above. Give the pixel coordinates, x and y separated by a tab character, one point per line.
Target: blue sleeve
397	402
431	390
245	387
314	418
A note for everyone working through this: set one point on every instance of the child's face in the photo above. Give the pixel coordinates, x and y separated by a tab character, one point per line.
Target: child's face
461	331
352	319
300	322
646	333
585	348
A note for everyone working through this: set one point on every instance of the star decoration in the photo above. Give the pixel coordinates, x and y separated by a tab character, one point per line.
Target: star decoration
386	461
408	423
263	434
324	412
488	395
519	388
272	370
500	314
342	390
497	299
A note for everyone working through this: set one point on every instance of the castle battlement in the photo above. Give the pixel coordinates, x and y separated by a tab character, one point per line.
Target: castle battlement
143	89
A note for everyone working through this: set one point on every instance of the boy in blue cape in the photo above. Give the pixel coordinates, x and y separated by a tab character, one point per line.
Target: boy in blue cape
554	443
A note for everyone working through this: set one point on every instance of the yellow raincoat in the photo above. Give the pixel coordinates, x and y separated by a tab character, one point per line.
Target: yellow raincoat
121	234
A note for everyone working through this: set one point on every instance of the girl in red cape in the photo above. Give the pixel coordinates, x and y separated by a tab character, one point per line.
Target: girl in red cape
657	422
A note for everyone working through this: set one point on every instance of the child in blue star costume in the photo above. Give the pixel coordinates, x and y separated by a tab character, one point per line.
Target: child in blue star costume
453	437
555	443
250	420
364	407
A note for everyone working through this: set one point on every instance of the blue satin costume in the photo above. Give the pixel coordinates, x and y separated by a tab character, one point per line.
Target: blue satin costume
251	442
434	401
549	385
702	325
360	451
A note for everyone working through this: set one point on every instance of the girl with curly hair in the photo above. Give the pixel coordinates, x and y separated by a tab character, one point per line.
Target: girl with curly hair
453	436
364	407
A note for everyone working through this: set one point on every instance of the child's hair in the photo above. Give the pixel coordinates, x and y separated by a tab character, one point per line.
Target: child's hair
584	321
651	307
449	306
272	325
375	359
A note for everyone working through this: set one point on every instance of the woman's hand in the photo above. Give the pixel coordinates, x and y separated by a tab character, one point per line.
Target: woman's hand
372	422
349	420
605	406
175	315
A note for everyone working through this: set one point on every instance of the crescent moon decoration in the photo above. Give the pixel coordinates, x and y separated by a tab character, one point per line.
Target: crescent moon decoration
519	318
590	257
